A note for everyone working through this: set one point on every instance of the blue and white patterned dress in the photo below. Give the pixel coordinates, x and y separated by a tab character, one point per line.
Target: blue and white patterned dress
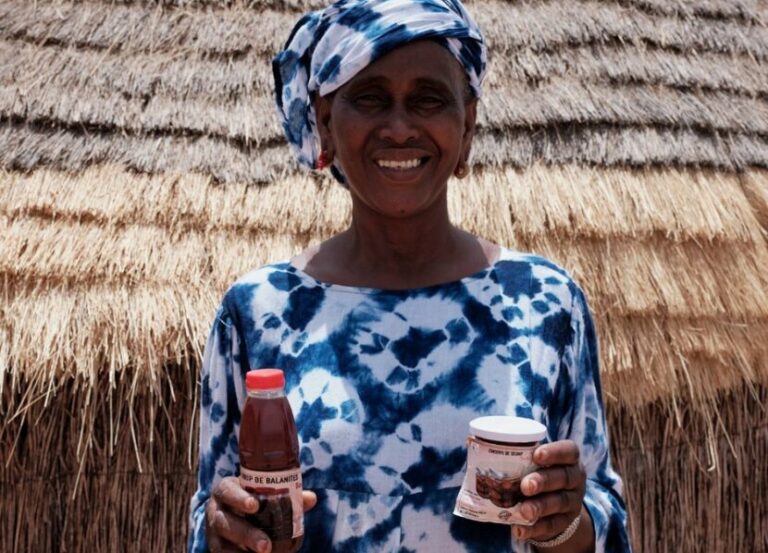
383	385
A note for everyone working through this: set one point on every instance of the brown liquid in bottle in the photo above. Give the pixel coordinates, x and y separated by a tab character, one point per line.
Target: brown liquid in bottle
269	444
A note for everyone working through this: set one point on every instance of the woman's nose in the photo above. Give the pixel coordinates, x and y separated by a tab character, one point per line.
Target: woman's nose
399	127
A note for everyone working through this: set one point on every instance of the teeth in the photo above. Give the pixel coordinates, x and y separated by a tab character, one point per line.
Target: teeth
410	164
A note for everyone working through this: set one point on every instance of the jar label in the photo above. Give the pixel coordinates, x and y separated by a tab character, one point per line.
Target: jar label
281	506
491	488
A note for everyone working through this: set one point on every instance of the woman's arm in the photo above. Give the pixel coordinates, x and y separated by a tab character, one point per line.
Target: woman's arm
576	475
216	523
586	426
221	394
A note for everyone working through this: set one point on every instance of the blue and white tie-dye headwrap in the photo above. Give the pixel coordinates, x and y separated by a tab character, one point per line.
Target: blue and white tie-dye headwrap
330	46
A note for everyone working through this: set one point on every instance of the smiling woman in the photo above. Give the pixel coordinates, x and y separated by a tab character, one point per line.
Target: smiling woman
400	128
398	331
397	131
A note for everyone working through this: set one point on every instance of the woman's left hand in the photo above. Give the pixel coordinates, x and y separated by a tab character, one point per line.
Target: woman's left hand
555	491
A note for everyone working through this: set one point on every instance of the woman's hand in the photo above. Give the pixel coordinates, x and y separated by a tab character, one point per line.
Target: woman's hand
556	491
225	528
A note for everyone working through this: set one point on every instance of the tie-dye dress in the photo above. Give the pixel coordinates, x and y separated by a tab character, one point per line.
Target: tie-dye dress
383	385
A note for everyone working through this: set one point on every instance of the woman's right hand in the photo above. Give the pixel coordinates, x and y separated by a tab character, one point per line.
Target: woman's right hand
225	528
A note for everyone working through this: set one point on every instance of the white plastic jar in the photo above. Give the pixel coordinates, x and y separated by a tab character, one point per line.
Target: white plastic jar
499	455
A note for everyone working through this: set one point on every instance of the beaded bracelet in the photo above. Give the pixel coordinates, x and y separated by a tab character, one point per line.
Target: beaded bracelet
560	538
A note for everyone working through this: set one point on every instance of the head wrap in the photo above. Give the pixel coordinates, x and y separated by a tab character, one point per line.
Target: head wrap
330	46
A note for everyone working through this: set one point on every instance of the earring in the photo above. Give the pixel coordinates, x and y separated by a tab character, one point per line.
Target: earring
461	171
322	161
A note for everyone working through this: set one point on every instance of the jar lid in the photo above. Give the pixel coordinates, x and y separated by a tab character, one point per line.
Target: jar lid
264	379
507	429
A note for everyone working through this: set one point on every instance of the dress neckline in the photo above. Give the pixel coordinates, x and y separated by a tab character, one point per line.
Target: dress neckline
502	255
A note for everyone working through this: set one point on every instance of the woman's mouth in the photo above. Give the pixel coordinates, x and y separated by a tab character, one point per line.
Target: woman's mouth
400	165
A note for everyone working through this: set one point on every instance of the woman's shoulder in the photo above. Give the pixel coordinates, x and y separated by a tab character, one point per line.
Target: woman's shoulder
277	273
271	279
530	274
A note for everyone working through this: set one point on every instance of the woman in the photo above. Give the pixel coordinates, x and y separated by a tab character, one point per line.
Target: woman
398	331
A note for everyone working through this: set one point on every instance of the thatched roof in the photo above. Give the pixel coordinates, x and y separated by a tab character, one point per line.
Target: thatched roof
190	89
142	170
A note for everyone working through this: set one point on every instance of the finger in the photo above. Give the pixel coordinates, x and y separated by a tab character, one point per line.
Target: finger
218	545
548	504
546	529
233	497
237	531
570	477
563	452
310	500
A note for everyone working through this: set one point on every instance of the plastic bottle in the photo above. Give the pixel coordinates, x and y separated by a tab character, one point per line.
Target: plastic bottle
269	460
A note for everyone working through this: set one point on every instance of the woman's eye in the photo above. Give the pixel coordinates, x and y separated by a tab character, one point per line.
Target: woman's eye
367	100
430	102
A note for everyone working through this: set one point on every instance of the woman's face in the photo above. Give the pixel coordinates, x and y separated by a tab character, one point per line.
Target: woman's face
399	128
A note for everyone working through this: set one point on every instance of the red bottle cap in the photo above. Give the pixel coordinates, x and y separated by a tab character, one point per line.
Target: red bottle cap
264	379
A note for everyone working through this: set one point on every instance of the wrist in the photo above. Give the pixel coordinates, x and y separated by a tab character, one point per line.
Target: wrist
582	540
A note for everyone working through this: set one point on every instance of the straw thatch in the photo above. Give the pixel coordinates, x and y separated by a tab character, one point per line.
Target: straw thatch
142	170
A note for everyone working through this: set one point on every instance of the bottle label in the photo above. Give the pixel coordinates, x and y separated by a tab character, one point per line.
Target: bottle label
491	488
281	506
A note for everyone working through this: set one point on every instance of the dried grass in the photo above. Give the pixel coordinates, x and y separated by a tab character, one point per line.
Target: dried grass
568	101
554	24
568	201
748	10
755	185
678	361
629	277
630	63
27	146
107	384
102	26
542	200
541	25
104	328
607	146
105	465
95	330
690	476
87	254
695	480
669	279
97	75
248	119
98	403
112	258
134	74
109	194
188	90
251	118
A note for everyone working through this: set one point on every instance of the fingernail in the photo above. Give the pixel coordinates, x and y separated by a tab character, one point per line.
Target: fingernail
262	546
530	513
519	532
543	455
250	504
531	486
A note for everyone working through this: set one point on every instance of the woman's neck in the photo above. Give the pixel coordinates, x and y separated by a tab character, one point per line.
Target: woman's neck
400	246
387	253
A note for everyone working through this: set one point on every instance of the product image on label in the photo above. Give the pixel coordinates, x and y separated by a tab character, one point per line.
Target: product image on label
281	509
500	489
491	488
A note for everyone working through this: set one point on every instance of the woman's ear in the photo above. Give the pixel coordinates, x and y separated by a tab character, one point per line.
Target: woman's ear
470	116
323	117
